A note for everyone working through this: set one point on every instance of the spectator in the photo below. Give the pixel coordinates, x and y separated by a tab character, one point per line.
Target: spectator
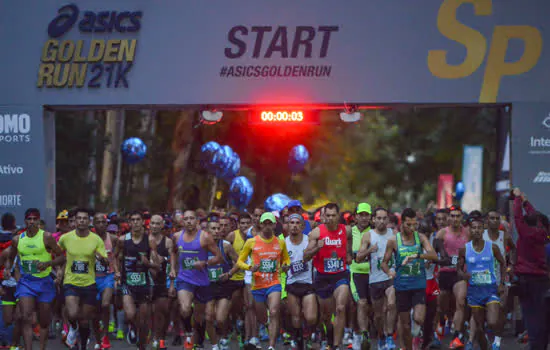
531	268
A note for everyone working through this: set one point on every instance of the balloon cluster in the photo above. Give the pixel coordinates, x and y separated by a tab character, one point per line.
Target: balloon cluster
221	161
298	158
276	202
133	150
240	192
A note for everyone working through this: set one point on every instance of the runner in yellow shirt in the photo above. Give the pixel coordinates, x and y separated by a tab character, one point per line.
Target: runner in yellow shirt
82	248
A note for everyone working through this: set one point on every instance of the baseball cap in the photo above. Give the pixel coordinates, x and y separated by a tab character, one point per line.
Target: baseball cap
294	203
63	215
364	208
267	216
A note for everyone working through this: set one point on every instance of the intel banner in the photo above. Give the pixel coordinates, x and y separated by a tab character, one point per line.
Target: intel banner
22	166
531	152
472	177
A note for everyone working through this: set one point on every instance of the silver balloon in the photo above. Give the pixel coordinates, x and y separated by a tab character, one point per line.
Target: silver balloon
298	158
133	150
276	202
240	192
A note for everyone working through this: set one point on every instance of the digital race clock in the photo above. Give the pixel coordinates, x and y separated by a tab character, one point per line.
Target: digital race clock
282	116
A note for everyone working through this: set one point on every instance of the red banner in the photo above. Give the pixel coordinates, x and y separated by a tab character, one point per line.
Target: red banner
445	191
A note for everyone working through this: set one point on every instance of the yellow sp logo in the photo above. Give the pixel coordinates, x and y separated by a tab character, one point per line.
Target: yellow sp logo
476	48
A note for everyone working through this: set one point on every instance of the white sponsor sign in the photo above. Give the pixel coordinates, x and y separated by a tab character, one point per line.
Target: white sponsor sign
15	128
11	169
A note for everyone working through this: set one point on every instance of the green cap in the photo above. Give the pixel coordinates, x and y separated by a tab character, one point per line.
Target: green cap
267	216
364	208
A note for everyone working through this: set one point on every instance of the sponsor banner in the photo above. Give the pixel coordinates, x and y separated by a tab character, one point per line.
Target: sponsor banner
22	160
472	177
445	189
530	156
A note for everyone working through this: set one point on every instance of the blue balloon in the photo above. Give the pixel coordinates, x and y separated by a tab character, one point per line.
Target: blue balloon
207	155
133	150
234	168
240	192
222	160
298	158
276	202
459	190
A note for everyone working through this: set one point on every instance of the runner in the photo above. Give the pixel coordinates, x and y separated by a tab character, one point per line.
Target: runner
82	249
192	283
36	286
136	255
409	277
328	245
479	257
360	278
382	293
454	238
300	292
225	226
105	282
164	290
236	283
268	255
217	309
11	314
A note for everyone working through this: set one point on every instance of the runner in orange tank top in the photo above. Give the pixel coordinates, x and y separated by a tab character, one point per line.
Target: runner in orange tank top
269	255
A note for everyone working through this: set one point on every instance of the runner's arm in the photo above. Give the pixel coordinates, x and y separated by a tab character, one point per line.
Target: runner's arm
285	258
52	247
430	252
313	246
154	260
245	253
232	254
11	254
211	246
439	247
173	259
230	237
502	263
462	273
509	243
365	250
119	248
349	245
384	266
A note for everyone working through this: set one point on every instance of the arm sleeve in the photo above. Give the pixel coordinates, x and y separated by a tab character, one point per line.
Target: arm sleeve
285	258
245	253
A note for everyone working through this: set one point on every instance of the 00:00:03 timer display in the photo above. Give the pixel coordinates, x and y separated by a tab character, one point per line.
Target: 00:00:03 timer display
282	116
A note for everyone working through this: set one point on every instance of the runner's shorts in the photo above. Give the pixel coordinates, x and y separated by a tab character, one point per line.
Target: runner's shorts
87	295
408	299
141	295
42	289
447	280
234	285
261	295
378	289
201	294
361	281
219	290
104	282
300	290
326	283
480	296
9	295
432	290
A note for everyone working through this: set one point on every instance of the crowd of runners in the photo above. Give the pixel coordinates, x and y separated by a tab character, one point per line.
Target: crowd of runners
363	279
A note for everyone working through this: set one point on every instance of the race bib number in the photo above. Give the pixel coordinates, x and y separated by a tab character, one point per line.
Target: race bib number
214	274
298	267
136	279
454	260
268	266
99	267
30	266
481	277
334	264
79	267
189	263
411	269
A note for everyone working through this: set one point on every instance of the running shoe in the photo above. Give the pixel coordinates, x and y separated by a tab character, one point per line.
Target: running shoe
131	336
188	343
105	343
119	334
390	344
456	344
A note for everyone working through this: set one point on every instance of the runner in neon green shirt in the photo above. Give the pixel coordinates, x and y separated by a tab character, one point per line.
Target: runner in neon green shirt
82	248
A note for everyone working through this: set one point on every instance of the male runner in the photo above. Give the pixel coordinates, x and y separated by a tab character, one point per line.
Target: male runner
360	276
225	226
236	283
82	248
268	255
192	283
410	273
36	286
454	238
105	282
301	299
331	252
135	254
382	293
217	309
164	289
479	257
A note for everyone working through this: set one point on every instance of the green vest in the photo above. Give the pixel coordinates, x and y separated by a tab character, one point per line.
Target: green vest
364	267
32	250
